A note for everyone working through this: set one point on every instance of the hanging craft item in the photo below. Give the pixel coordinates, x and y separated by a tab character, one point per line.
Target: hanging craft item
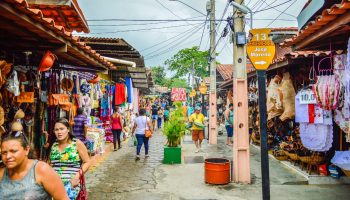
274	98
67	84
288	93
19	114
25	97
47	61
85	88
327	87
2	116
12	84
94	80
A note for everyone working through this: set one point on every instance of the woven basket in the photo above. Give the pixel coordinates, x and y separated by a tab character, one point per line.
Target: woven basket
281	158
346	172
305	159
293	156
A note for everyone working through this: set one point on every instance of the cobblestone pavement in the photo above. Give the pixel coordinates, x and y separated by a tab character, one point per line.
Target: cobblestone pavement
120	173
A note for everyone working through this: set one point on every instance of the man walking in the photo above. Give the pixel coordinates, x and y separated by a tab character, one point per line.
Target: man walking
80	125
197	119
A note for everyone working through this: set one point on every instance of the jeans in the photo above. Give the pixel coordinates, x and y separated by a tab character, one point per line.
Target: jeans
159	122
116	136
140	140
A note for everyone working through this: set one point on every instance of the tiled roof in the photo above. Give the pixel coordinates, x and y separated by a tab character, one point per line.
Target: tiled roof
67	14
37	16
225	70
327	16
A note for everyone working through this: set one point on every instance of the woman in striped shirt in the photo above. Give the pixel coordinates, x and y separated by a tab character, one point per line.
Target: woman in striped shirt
68	155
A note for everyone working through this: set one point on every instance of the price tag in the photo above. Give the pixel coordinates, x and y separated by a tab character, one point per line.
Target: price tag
307	97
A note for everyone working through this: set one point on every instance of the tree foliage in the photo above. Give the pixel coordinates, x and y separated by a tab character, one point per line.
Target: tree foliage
181	63
158	75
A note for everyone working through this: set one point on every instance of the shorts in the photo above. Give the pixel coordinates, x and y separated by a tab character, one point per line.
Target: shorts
197	135
229	130
154	117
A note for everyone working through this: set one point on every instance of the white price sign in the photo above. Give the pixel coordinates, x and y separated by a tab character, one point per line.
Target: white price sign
307	97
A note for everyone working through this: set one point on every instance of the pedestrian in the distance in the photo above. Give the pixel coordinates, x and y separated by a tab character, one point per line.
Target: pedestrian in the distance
229	124
197	119
116	121
142	123
166	114
154	116
160	117
68	156
25	178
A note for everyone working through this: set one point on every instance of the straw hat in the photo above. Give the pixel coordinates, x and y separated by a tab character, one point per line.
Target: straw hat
2	116
19	114
16	126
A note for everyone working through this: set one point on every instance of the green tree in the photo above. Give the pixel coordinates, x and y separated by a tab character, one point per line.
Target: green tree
177	83
158	75
181	63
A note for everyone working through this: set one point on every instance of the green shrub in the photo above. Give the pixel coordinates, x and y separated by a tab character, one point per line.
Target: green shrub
174	128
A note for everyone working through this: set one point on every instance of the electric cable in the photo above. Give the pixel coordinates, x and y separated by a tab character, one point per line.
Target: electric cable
131	30
282	13
200	43
162	42
272	7
269	5
192	31
169	10
173	46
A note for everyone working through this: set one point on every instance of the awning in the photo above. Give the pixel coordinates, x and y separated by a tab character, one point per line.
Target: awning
26	29
331	29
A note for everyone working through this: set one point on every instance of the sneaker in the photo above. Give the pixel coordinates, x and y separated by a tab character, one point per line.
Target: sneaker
146	156
197	150
115	149
137	158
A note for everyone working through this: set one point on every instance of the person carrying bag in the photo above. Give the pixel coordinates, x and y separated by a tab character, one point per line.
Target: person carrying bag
143	131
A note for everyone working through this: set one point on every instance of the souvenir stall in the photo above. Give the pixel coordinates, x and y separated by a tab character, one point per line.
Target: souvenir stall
308	112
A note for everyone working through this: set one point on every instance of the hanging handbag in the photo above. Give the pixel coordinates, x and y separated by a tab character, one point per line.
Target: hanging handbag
83	194
148	133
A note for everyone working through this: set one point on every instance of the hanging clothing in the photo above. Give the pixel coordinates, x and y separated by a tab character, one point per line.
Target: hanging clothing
119	94
129	88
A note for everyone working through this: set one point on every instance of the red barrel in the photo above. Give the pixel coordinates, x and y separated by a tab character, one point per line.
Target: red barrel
217	171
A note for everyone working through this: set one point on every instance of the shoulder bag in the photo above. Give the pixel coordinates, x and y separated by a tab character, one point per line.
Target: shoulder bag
148	133
83	194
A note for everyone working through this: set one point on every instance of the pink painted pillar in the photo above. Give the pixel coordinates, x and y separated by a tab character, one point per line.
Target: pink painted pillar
212	118
241	157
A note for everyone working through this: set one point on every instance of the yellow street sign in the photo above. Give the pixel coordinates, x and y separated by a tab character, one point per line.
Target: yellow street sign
261	50
203	88
193	93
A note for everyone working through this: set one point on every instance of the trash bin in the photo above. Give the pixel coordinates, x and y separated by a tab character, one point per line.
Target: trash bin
217	171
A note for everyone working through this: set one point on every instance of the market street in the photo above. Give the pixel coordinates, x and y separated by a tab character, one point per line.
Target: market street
120	177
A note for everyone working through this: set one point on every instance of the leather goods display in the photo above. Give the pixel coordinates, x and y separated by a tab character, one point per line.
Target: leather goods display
67	84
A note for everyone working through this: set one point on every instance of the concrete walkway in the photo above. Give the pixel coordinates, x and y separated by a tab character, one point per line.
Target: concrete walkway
120	177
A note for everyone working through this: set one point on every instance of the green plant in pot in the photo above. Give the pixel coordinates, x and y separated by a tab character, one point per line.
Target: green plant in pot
174	129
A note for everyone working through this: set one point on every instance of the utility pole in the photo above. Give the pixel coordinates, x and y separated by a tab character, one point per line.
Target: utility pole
212	93
241	157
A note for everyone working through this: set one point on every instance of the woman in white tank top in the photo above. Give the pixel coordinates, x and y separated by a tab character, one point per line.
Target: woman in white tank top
142	123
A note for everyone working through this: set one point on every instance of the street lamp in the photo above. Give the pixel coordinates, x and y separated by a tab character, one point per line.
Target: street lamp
244	9
190	7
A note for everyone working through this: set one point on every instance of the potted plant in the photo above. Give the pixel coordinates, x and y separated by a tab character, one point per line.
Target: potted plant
174	129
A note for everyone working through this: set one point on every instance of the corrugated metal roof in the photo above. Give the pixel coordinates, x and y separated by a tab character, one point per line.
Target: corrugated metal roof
327	16
37	16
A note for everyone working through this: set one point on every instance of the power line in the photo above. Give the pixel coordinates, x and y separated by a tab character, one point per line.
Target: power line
191	31
190	7
272	7
200	43
141	24
282	13
151	20
154	28
173	46
169	10
223	14
269	5
167	39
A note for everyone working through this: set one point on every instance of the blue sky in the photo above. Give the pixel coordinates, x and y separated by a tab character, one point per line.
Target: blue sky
184	34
